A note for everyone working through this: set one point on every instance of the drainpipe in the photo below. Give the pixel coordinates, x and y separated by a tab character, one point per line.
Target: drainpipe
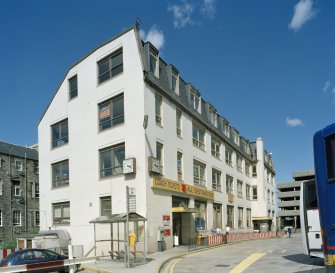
26	192
11	198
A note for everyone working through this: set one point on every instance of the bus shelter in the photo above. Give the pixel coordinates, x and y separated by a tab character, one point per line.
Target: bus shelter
110	237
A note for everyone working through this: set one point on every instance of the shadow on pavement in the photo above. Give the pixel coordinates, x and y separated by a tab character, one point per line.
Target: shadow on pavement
318	270
304	259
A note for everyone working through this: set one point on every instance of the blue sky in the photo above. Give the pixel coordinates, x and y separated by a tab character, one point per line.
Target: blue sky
267	65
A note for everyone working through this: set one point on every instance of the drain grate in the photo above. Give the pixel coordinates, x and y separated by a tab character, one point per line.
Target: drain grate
222	265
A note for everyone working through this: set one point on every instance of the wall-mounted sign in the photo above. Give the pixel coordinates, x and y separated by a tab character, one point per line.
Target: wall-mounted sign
167	232
170	185
166	220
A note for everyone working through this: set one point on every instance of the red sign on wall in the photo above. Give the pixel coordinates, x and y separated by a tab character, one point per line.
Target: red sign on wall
167	232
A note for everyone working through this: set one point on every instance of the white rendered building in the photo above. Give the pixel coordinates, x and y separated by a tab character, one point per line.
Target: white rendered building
191	169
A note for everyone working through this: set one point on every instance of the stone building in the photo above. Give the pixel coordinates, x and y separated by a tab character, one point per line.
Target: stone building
123	117
19	191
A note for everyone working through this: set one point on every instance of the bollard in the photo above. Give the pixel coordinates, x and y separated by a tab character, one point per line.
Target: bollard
70	249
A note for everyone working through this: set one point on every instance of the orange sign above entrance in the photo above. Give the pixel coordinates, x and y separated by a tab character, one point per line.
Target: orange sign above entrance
170	185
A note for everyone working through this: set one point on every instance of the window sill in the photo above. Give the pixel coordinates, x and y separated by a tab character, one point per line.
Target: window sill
110	176
201	149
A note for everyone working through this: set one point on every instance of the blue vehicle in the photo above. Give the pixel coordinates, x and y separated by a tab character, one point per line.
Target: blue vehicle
37	257
324	161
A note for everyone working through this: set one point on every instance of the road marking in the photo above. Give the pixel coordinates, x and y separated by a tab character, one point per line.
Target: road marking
251	250
284	251
246	263
173	265
270	251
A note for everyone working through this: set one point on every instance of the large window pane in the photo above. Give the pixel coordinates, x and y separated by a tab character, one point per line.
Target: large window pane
110	66
111	112
60	174
111	160
60	133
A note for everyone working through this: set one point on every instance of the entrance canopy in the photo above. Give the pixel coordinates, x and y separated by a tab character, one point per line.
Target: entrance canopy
118	218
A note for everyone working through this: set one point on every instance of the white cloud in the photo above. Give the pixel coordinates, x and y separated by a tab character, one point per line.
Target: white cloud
154	36
293	122
182	14
326	86
303	11
208	8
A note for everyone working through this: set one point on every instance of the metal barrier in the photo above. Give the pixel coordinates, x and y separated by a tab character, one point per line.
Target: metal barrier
46	265
214	240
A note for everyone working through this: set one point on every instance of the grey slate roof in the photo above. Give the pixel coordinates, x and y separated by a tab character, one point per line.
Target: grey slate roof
19	151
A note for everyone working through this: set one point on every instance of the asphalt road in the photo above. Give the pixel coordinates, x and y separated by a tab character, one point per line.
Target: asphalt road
280	255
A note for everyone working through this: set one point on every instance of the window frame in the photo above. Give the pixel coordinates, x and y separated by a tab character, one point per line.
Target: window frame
247	192
198	136
63	139
216	180
180	166
213	117
229	156
254	193
195	99
175	82
154	61
18	165
248	218
17	218
240	217
239	161
239	188
179	115
160	155
111	68
199	173
103	209
159	110
215	147
64	219
229	184
217	213
73	92
113	167
16	188
106	118
230	216
62	181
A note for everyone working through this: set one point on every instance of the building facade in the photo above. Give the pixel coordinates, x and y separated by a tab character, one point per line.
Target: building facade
124	117
19	191
289	199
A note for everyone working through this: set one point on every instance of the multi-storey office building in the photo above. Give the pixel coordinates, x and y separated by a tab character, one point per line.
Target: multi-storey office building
123	117
289	198
19	191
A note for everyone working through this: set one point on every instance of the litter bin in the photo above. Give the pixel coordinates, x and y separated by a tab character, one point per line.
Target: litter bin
161	245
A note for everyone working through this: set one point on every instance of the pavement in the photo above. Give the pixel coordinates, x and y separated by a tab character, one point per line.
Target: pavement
153	264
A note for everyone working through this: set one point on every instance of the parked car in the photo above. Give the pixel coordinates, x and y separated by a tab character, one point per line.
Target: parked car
38	256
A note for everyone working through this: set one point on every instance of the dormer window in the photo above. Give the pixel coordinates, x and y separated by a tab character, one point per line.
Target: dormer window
236	138
175	82
213	117
226	129
195	99
154	62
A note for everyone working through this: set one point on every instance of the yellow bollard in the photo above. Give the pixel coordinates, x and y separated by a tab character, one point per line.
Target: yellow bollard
132	239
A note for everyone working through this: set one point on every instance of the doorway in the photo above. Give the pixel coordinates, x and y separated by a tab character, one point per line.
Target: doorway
177	228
